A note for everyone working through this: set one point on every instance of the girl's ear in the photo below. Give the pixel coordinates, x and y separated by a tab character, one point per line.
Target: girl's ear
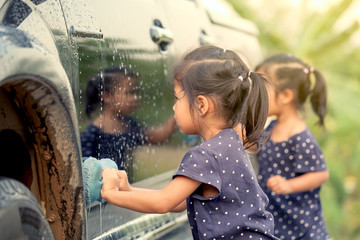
286	96
202	104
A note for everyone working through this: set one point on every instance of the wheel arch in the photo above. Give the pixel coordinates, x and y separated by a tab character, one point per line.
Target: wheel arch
38	104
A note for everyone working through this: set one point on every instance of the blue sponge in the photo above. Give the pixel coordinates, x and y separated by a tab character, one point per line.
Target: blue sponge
92	169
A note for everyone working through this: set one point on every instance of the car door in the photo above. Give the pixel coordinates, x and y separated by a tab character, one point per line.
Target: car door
232	31
190	24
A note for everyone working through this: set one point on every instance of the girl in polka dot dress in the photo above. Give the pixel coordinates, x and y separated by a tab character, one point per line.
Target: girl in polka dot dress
214	92
292	165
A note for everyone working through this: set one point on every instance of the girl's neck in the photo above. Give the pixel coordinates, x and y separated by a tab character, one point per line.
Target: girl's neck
289	123
110	122
211	129
210	134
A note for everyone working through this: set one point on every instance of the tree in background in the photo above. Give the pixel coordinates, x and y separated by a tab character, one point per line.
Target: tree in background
315	38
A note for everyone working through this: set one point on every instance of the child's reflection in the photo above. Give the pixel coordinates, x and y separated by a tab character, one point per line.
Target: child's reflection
114	133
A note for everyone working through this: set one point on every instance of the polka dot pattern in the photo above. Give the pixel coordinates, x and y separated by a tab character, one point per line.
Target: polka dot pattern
238	210
119	147
297	215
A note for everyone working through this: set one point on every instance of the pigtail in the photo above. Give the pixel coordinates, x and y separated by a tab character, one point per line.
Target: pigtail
241	97
318	96
256	110
235	99
93	94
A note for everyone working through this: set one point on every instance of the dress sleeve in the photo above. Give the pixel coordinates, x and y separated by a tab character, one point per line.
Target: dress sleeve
137	132
201	165
309	157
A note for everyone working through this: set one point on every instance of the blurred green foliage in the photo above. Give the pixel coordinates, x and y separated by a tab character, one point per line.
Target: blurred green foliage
317	42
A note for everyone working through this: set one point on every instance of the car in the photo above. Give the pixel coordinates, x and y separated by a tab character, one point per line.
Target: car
49	50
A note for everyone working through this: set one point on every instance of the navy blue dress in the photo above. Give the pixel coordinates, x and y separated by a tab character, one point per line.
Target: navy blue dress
118	147
238	210
296	215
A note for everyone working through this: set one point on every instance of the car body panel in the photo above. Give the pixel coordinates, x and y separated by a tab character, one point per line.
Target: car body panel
45	117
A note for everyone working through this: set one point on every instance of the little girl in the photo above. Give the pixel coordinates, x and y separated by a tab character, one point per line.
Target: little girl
292	165
215	181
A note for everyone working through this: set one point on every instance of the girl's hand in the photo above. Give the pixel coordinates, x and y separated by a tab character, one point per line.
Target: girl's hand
302	183
124	182
111	181
279	185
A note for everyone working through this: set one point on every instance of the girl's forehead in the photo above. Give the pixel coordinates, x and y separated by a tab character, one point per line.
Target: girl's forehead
268	72
177	87
122	76
260	70
127	80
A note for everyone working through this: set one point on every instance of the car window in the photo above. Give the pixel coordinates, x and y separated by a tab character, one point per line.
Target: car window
124	92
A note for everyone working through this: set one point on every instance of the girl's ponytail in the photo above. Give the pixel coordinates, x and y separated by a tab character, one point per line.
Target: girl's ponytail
235	102
318	96
256	111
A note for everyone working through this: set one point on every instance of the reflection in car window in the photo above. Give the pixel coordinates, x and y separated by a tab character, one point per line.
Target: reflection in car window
114	133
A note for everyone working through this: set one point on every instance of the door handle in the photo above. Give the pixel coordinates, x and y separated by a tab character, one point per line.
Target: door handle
205	39
82	32
159	34
163	37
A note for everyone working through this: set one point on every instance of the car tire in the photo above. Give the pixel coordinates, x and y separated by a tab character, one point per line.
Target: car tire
21	216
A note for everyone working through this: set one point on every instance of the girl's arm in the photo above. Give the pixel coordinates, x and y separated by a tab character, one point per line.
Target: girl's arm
170	198
179	208
161	133
305	182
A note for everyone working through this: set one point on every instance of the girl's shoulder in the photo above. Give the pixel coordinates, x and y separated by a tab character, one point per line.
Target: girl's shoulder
212	145
299	130
205	148
133	123
270	125
222	139
91	129
305	141
215	145
307	137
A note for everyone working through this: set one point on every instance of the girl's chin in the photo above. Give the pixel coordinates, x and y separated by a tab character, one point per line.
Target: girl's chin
126	112
183	132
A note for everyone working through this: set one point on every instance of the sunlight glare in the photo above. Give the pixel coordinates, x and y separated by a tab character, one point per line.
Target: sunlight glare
214	5
294	2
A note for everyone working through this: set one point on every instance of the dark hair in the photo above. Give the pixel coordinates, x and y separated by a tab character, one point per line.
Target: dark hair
292	73
104	82
240	95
